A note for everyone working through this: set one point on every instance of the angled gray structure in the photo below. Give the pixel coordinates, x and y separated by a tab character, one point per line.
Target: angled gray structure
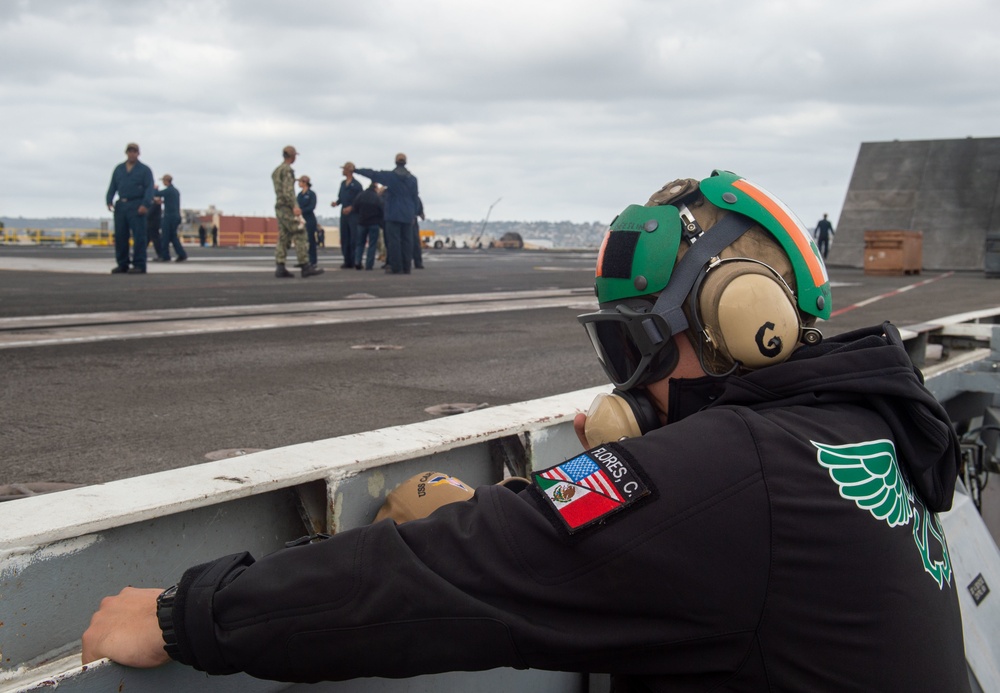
948	189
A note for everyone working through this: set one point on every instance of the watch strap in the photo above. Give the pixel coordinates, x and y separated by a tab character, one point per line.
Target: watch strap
165	618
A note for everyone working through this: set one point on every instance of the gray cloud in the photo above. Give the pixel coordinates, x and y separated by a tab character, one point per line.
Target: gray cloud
567	111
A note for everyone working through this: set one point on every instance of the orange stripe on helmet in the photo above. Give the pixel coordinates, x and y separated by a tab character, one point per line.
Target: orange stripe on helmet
792	227
600	255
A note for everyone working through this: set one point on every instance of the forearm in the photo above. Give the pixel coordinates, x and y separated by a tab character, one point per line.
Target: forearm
112	187
481	584
147	198
352	606
381	177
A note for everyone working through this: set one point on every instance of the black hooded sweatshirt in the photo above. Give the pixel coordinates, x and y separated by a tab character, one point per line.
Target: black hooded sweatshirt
782	538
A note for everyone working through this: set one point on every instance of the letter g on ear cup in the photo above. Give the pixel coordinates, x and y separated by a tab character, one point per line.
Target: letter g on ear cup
749	313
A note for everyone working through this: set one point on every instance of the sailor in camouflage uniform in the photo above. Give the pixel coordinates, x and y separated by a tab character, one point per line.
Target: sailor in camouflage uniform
286	211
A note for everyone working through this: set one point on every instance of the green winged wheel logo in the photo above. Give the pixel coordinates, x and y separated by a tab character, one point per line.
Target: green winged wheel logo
868	474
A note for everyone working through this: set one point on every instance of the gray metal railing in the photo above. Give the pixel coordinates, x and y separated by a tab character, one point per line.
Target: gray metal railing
60	553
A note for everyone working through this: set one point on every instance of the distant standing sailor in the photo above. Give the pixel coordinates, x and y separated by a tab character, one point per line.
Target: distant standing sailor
401	196
132	180
824	234
171	220
349	191
306	201
286	210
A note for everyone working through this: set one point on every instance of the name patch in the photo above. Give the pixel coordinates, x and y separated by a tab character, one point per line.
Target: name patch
590	487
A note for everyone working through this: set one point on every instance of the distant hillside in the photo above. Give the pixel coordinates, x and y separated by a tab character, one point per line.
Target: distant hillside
54	223
561	234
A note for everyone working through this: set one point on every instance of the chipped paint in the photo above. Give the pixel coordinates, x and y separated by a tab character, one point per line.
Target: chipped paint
376	484
14	561
234	479
64	670
230	452
13	674
452	408
539	435
338	507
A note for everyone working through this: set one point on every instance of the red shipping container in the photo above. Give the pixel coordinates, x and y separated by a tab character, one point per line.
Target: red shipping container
230	230
272	230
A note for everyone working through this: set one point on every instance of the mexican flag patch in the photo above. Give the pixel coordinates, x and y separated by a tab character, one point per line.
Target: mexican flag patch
591	486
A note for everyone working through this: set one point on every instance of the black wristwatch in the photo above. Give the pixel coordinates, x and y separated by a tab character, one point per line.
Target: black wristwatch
165	617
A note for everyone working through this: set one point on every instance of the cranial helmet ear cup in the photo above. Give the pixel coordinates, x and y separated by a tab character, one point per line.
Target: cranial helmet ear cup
749	314
619	415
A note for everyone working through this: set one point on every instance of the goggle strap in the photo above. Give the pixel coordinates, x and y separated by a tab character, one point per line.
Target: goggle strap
669	305
653	332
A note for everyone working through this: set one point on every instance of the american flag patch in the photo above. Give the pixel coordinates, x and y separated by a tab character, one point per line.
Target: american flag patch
586	489
583	471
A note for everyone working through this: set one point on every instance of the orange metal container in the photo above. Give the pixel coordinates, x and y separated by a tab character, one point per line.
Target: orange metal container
271	233
246	231
894	252
230	230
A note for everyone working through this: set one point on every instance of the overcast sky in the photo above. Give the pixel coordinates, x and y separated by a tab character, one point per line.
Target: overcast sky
566	110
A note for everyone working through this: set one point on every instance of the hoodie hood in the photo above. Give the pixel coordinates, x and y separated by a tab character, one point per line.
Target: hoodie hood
869	366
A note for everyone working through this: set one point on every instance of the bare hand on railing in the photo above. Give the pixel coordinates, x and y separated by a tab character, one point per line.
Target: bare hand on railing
125	630
580	426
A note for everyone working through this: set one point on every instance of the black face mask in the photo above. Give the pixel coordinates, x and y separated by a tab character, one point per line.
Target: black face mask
632	413
690	395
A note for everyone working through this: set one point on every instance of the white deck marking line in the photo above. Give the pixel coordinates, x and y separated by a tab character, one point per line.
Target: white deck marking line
366	303
78	334
889	294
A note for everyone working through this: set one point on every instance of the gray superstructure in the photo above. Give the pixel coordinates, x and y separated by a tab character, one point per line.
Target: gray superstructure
947	189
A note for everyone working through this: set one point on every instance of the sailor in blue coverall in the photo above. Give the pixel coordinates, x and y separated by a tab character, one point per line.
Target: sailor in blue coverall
132	180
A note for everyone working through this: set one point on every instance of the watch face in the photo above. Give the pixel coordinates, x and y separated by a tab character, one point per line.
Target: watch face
166	594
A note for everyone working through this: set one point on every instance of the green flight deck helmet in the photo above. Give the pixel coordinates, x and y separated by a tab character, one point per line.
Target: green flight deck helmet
721	260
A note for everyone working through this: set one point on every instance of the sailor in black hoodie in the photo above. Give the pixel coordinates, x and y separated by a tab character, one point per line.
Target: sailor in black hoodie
756	510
